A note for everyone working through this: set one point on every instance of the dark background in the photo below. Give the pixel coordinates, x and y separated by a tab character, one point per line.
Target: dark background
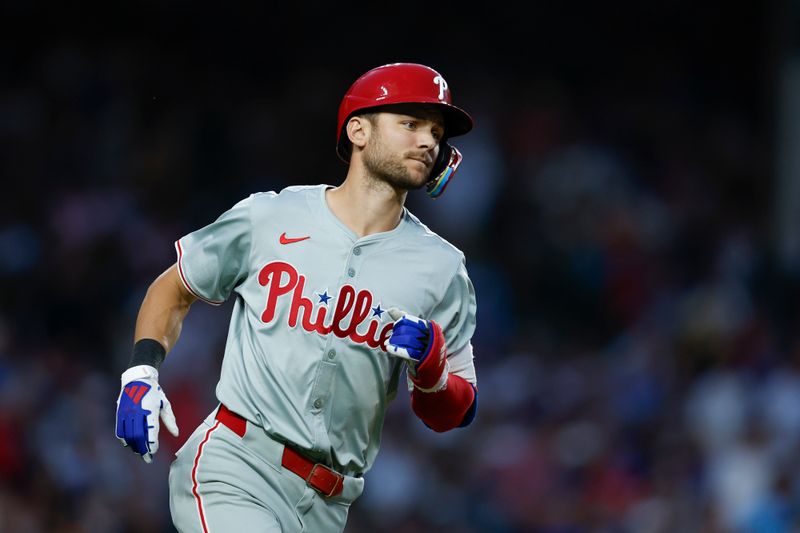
628	205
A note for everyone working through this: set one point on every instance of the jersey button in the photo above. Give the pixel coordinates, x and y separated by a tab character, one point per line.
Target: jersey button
357	251
331	354
351	272
318	403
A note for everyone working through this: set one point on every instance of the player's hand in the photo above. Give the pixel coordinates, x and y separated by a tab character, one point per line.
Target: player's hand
411	337
421	343
140	404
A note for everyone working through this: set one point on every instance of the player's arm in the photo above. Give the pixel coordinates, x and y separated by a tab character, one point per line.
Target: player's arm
141	401
440	398
455	404
163	309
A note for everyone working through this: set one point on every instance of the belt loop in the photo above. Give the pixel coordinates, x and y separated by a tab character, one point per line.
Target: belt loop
313	477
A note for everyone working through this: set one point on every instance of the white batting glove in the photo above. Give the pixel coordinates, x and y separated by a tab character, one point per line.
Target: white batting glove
140	404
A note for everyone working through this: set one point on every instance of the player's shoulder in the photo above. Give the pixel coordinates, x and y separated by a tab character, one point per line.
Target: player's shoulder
287	195
424	236
291	198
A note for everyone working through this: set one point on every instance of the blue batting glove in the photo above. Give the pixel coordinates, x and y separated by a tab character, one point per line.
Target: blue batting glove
411	337
140	404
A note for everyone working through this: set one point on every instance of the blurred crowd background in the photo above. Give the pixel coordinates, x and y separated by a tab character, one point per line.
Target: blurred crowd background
629	205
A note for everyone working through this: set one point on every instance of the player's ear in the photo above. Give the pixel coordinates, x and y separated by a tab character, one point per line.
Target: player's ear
358	129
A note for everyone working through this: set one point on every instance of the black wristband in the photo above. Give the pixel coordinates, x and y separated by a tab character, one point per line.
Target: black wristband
148	352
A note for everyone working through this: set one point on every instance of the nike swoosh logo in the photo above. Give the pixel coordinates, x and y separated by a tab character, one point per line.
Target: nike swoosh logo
286	240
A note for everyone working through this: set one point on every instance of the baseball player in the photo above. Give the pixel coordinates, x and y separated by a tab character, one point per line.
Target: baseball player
337	291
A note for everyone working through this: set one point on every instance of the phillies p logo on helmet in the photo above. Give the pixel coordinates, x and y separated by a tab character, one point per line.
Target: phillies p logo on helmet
438	80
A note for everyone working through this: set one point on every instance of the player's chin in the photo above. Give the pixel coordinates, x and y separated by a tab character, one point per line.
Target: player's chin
416	182
408	179
418	174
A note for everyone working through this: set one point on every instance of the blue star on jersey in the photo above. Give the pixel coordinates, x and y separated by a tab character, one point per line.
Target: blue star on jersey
377	311
323	298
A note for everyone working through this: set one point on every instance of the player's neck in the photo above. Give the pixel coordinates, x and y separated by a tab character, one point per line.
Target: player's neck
366	209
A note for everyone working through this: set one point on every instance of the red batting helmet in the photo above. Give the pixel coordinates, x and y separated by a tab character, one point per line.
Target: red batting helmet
404	83
400	83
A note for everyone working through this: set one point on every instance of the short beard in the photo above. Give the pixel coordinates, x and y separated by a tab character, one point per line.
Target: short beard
384	168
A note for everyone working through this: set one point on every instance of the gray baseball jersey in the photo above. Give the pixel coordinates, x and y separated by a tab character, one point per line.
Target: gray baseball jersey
305	356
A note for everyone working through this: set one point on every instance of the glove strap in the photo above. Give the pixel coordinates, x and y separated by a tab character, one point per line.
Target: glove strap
429	374
139	372
441	384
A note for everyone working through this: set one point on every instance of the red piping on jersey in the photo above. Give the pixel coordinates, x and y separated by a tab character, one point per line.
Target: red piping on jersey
186	282
194	477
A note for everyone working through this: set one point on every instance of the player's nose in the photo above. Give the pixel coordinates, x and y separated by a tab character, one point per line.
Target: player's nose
426	139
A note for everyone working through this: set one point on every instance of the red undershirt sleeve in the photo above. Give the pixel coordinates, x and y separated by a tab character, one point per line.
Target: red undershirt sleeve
452	407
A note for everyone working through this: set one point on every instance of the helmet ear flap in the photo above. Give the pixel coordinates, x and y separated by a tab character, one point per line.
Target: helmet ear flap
444	170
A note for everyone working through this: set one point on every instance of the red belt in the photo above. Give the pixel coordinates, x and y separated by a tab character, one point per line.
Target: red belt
318	476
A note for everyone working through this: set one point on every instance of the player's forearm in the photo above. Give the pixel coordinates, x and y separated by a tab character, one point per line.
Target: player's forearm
447	409
163	310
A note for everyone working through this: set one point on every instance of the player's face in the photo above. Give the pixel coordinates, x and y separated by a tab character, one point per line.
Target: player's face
403	146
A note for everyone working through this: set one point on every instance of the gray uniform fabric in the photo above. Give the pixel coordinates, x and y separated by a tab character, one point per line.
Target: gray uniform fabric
304	361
